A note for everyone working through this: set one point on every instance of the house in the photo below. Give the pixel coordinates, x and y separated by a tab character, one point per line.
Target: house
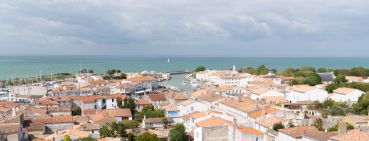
12	132
54	124
306	93
317	136
175	97
144	83
156	99
294	133
190	106
99	101
141	103
8	109
240	108
327	77
266	126
352	135
344	94
118	114
261	93
98	83
172	111
155	122
92	128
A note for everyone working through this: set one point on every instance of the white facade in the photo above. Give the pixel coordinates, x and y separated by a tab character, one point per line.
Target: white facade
195	106
312	95
349	97
266	94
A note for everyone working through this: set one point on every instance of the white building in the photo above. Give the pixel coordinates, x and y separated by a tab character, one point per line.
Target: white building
346	95
306	93
264	92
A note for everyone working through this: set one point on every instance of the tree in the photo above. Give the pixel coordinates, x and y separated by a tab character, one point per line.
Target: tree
318	123
340	79
148	137
278	126
76	110
113	130
150	112
89	138
249	70
177	133
200	68
313	79
130	124
361	107
290	124
67	138
119	102
262	70
335	127
165	122
106	131
131	104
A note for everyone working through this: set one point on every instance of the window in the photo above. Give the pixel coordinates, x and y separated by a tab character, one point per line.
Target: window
112	100
92	131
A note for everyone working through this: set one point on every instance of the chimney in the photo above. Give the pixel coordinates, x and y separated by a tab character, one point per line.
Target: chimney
239	98
263	113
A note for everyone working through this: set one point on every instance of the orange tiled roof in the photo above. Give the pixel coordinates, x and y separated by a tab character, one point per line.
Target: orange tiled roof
249	130
302	88
352	135
157	97
214	121
95	82
267	111
141	79
297	132
270	121
344	90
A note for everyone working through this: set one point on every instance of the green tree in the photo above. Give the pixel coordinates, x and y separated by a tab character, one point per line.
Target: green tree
76	110
335	127
249	70
200	68
148	137
131	104
130	124
262	70
67	138
278	126
178	133
318	123
106	131
313	79
361	107
150	112
119	102
89	138
340	79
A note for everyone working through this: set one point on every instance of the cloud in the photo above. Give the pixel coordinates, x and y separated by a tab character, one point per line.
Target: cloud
239	27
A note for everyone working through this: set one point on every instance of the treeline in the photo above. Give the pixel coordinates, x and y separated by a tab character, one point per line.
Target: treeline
114	74
310	76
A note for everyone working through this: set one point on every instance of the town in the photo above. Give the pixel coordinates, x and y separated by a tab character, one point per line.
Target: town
246	104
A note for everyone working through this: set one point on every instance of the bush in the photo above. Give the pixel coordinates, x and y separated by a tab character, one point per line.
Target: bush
278	126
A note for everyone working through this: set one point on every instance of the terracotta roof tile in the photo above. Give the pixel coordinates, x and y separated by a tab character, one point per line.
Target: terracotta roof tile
249	130
214	121
297	132
352	135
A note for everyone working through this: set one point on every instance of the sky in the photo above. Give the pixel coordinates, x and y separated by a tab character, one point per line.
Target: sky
246	28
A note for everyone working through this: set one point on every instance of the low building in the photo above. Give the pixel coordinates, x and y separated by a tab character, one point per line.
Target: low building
346	95
12	132
155	122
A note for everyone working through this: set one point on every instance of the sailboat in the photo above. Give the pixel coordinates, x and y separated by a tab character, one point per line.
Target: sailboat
168	60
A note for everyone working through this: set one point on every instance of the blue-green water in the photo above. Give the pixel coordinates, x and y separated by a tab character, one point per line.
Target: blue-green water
22	66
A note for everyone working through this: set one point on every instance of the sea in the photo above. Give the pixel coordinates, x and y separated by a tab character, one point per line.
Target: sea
26	66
